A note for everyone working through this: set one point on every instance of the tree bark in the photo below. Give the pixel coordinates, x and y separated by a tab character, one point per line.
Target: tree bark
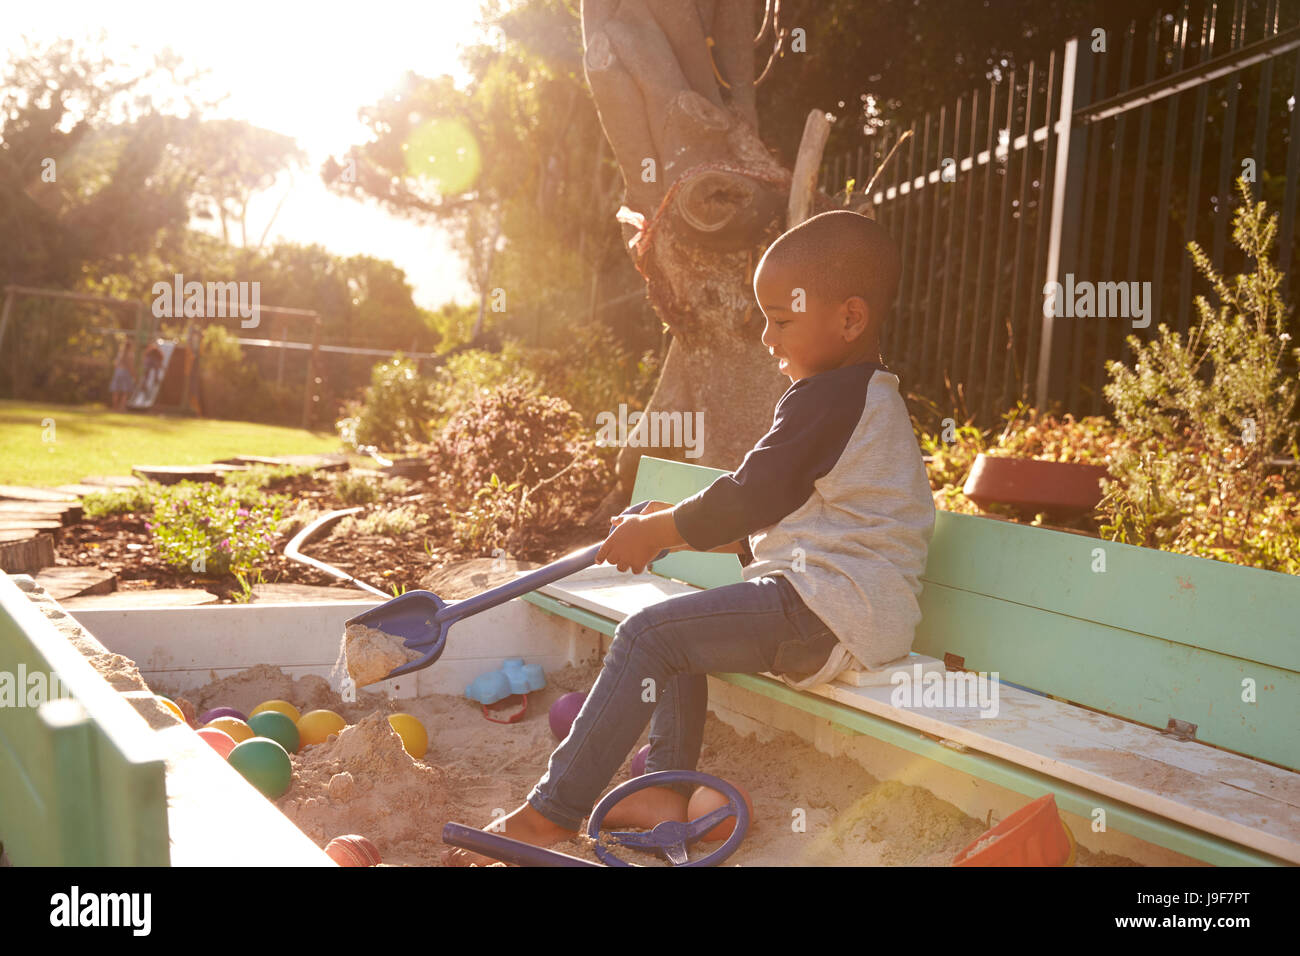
703	199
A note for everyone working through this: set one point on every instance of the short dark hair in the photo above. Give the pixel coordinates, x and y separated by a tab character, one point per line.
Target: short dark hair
843	254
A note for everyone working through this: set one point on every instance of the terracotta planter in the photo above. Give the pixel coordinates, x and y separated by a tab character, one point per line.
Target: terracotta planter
1049	486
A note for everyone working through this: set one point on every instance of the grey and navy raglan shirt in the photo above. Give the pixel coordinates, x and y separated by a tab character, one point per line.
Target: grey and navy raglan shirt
834	498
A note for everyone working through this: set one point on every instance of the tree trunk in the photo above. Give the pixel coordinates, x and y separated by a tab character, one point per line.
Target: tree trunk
704	198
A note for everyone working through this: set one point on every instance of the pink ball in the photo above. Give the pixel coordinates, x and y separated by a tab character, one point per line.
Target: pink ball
638	762
564	711
218	740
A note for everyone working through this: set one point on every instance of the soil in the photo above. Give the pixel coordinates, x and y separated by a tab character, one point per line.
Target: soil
121	544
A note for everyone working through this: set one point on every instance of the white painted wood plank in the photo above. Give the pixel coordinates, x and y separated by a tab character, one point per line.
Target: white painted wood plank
1052	737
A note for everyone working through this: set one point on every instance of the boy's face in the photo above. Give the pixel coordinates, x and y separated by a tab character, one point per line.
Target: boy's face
807	334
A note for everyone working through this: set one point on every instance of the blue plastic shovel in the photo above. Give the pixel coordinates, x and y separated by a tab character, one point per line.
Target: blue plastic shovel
422	619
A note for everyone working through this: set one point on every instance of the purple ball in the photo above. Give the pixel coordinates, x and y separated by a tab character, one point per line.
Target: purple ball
563	712
638	762
211	715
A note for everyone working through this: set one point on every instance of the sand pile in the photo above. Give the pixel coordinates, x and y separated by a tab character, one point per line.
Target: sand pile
362	781
263	682
372	654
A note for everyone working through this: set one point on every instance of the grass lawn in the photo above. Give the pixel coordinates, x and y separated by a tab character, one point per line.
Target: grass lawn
90	440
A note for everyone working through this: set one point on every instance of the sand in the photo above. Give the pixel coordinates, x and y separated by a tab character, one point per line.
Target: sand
810	809
372	654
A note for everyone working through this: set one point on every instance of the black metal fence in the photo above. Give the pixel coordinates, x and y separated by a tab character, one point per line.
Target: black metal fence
1098	166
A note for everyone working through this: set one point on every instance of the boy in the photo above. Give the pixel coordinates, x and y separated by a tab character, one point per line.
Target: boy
830	512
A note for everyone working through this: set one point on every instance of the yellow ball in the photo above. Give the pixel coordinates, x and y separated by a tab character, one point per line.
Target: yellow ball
283	706
315	726
415	740
170	705
238	730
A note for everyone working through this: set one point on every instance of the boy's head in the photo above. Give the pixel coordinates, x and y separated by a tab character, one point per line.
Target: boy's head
826	288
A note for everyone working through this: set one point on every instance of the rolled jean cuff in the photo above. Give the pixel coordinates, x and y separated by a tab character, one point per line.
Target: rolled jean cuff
537	800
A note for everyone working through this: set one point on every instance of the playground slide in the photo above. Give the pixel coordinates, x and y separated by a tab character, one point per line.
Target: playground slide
146	392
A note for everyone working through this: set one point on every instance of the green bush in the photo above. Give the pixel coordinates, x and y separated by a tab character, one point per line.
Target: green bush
116	501
234	388
382	521
356	488
395	410
215	529
1207	416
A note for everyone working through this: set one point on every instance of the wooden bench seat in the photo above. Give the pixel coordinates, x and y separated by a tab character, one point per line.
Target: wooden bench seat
1151	637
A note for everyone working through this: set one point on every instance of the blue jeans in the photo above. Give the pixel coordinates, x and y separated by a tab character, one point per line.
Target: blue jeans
655	672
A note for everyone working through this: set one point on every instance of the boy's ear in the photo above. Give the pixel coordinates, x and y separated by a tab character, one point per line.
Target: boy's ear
858	315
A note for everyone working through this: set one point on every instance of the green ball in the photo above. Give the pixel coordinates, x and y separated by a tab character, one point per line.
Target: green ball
264	764
278	727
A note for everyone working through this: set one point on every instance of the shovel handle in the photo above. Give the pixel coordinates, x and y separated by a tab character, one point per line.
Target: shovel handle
570	564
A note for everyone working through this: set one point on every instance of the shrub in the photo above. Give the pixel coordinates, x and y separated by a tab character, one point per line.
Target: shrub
214	529
385	522
234	388
258	477
1208	416
534	454
394	411
116	501
358	488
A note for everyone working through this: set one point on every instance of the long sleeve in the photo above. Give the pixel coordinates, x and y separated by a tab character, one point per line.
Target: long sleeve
811	426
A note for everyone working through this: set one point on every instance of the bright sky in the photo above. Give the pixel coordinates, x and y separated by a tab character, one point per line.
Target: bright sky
303	70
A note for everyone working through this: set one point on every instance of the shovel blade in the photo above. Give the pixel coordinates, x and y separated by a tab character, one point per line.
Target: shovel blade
413	617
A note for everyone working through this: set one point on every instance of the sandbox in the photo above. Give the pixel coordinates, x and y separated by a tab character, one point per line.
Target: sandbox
811	808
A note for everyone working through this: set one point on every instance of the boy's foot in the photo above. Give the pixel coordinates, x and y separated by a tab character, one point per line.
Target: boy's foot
647	808
524	824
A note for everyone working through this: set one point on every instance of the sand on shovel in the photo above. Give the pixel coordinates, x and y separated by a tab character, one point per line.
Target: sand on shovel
372	654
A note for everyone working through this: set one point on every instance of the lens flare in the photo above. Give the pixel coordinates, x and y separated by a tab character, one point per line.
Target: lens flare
445	153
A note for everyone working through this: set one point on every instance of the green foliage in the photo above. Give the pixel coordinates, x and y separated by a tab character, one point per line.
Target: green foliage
234	388
116	501
494	513
357	488
231	529
395	411
258	477
514	464
384	522
1207	416
402	408
596	373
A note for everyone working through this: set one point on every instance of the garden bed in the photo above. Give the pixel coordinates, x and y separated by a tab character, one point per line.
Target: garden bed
391	561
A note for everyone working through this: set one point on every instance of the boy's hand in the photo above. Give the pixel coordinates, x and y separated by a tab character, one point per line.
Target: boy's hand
634	540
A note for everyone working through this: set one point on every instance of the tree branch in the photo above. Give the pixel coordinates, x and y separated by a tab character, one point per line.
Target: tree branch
803	182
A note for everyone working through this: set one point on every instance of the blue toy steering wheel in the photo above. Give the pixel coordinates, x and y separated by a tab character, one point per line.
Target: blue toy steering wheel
671	838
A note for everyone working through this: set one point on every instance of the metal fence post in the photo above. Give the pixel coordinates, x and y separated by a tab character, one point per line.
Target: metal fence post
1067	206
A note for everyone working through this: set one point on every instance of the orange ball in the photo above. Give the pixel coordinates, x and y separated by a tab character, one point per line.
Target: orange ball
315	726
172	706
705	800
352	850
237	729
218	740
